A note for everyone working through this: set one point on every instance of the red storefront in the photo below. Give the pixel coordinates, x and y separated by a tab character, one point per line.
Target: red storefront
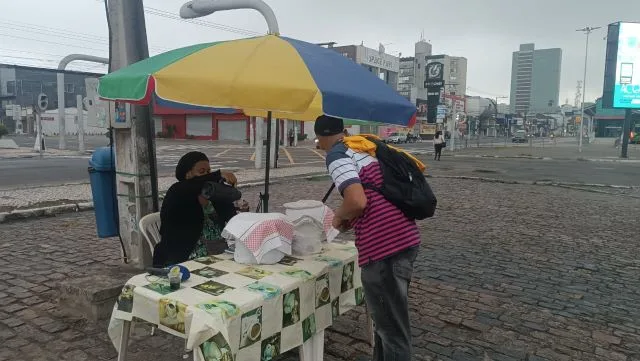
198	124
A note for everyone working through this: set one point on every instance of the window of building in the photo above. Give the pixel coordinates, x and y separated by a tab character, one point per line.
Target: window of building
69	88
31	87
11	87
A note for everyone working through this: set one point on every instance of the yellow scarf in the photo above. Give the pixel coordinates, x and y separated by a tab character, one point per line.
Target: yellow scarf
360	144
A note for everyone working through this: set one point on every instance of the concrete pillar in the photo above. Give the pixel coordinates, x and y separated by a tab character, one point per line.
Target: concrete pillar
272	149
80	118
251	132
258	142
61	110
136	178
285	125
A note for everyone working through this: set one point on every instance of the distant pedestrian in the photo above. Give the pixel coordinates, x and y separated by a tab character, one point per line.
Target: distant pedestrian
291	137
438	144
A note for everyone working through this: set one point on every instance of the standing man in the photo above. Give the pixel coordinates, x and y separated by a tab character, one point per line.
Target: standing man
386	239
291	137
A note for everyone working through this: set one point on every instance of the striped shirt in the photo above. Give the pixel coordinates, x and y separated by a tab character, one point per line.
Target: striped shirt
382	230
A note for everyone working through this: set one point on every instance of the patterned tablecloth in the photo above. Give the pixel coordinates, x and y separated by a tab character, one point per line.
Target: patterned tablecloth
229	311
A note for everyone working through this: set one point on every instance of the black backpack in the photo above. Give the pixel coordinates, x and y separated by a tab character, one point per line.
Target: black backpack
404	185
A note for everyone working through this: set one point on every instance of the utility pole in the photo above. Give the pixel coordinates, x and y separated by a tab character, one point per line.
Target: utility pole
136	174
587	31
626	130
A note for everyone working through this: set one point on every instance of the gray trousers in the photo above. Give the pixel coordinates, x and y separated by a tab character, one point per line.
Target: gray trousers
386	287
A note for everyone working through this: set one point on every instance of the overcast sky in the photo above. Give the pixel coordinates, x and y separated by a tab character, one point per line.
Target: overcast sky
486	32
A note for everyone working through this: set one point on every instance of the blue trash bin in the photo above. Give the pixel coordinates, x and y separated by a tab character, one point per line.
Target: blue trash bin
102	175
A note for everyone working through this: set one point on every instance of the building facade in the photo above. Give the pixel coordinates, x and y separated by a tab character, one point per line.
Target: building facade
454	73
21	85
535	80
407	78
445	84
384	66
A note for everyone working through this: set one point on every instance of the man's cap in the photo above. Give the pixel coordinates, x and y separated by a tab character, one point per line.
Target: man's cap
327	126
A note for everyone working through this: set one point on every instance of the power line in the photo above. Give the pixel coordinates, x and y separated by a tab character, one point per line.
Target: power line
228	28
50	42
63	33
32	52
209	24
52	63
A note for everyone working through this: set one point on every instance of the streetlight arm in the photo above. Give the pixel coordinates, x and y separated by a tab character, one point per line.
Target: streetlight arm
73	57
198	8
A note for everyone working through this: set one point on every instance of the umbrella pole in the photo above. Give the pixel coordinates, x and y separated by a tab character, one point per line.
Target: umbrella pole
265	196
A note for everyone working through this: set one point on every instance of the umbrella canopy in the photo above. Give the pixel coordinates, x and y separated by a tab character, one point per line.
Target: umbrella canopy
290	78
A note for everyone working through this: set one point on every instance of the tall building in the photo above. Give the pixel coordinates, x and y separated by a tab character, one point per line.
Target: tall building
535	80
412	76
454	73
407	78
445	83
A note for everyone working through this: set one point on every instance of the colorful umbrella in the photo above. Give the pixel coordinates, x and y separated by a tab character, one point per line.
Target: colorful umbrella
291	78
267	76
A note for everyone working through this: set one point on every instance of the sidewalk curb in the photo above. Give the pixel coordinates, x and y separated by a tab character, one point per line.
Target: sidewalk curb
80	206
607	160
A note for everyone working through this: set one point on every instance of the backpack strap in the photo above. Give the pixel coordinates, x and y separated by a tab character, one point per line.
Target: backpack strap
326	196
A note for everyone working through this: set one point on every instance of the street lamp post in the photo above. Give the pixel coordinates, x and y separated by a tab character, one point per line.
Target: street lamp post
587	31
198	8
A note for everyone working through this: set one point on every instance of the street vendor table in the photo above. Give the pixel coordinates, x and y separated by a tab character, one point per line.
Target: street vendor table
230	311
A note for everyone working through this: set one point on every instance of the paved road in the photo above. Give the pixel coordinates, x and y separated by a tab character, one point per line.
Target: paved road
556	280
73	168
57	170
529	170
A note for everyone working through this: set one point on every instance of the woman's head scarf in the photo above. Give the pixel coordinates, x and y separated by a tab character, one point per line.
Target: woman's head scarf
187	162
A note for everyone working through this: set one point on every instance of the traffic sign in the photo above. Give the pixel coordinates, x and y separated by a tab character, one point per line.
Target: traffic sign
43	102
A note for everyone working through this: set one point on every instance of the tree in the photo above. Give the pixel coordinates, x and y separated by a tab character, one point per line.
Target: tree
3	130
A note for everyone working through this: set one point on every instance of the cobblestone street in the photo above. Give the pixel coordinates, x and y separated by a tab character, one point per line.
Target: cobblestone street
506	272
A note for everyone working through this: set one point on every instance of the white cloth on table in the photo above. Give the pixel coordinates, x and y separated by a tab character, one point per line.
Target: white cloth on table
266	236
315	209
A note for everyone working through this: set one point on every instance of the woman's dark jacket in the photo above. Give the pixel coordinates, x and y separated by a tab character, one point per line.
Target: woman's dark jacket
182	219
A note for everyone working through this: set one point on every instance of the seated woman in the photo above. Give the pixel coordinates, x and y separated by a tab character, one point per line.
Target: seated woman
192	218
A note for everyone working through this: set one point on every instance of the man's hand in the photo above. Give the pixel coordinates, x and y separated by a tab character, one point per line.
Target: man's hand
230	178
202	200
340	224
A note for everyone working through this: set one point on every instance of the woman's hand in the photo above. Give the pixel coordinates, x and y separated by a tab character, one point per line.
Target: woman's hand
230	178
202	200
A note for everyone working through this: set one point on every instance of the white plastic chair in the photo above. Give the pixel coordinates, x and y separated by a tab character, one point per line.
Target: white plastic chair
149	226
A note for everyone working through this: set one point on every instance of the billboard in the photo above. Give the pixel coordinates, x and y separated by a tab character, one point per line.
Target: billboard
421	108
622	67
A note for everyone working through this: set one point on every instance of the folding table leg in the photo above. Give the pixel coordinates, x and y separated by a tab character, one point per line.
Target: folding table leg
313	349
124	340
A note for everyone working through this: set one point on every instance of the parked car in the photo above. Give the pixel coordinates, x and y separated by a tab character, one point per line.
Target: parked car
520	136
396	138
